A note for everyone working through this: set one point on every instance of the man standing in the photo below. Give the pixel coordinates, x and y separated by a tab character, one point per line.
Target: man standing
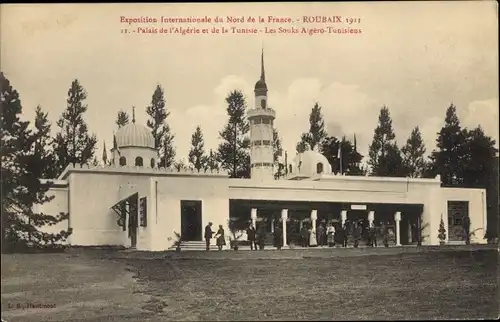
304	234
466	226
320	235
208	234
385	234
251	237
373	234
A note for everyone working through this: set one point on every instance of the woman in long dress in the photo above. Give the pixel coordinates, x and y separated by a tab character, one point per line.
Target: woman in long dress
312	237
221	240
331	235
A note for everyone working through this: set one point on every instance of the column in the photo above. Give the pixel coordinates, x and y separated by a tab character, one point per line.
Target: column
371	218
284	217
397	218
272	225
410	239
314	217
253	216
343	215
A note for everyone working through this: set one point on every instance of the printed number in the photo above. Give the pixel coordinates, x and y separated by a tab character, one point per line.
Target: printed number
124	31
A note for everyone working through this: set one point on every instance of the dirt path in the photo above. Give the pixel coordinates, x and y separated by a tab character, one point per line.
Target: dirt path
69	287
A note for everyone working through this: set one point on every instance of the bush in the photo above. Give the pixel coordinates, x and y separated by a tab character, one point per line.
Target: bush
442	230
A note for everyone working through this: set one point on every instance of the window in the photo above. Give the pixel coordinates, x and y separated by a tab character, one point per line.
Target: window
138	162
263	103
266	121
152	163
319	168
257	121
123	161
290	168
257	143
266	142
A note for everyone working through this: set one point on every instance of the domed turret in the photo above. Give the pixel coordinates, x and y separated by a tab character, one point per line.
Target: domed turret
310	163
261	86
261	119
134	145
134	135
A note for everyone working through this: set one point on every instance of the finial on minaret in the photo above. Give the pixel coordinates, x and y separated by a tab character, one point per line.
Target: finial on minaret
133	114
262	72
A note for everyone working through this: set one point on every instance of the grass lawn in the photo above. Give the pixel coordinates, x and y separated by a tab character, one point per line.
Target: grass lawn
305	285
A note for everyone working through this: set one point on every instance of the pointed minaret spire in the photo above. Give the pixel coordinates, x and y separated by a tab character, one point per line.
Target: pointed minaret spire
262	71
355	145
104	154
133	114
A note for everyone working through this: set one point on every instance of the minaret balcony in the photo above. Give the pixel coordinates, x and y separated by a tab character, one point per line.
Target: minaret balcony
259	112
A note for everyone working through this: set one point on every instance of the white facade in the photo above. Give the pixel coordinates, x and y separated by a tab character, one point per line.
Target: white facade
95	197
89	193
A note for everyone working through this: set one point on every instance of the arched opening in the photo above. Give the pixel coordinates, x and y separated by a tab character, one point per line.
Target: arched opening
123	161
152	163
319	167
289	168
138	162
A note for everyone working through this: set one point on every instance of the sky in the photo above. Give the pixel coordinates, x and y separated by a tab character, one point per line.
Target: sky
416	58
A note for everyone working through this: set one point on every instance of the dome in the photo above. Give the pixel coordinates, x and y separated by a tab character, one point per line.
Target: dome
311	163
135	135
261	84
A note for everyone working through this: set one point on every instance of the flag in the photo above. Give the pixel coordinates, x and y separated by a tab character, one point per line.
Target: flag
339	154
104	154
115	145
286	162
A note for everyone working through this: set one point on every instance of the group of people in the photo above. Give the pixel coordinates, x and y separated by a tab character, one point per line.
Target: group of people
322	236
331	235
218	235
257	237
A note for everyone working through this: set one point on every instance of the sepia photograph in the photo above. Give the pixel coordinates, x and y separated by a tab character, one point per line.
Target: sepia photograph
249	161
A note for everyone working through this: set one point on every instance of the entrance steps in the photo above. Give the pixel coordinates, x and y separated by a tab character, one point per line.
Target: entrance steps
193	245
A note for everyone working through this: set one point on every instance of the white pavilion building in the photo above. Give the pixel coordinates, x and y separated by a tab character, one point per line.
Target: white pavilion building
136	204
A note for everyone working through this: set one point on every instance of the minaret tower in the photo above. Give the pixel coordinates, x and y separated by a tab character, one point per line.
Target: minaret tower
261	119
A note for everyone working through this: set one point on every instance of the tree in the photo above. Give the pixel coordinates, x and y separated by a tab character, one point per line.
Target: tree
42	145
197	155
351	158
480	171
384	155
22	188
122	119
448	159
442	231
317	132
164	140
73	144
233	153
212	164
277	153
413	155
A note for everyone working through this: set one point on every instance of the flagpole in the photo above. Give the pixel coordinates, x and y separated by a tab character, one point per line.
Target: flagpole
286	163
340	153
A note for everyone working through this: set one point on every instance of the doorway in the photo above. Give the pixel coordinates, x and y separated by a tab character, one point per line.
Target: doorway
133	219
191	225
